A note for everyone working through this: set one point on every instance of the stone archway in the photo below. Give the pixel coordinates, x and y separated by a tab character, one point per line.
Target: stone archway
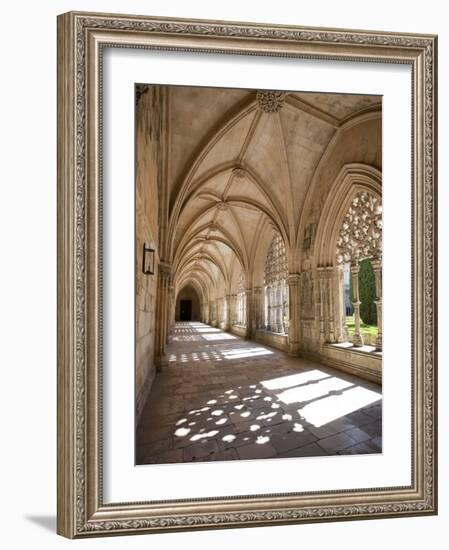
341	239
188	306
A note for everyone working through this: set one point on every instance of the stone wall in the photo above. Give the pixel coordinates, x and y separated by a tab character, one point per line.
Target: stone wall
148	140
272	339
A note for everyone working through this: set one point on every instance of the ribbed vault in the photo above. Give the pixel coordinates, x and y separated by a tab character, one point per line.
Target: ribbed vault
240	170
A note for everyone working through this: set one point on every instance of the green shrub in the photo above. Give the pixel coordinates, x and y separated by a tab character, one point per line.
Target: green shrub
367	293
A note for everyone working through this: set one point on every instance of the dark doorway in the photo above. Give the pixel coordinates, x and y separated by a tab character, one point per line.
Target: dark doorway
186	310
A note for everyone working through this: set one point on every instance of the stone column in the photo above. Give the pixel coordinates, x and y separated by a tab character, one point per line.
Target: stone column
211	312
377	268
257	308
247	312
269	311
285	310
294	309
162	312
358	340
219	310
330	282
214	319
171	312
322	303
342	331
228	313
278	309
232	310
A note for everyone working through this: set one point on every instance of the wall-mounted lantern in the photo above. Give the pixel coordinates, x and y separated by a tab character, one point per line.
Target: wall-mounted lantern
148	260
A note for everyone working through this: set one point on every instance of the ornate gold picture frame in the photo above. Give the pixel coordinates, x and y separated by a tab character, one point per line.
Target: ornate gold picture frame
82	508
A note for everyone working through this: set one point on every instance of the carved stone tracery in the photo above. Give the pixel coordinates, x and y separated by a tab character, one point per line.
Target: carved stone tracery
276	274
360	234
359	238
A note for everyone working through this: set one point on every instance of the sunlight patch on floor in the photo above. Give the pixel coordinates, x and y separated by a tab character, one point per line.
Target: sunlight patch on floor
263	405
330	408
241	353
293	379
307	393
220	336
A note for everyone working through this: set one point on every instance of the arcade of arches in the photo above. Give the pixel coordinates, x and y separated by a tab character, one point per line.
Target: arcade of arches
260	207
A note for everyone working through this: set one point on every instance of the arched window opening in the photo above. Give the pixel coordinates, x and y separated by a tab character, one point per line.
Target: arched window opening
241	301
359	255
276	287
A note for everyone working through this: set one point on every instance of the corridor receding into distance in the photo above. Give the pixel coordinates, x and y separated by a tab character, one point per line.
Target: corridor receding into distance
224	398
258	263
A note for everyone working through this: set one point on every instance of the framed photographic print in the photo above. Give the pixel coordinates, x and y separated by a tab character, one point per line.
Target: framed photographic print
247	274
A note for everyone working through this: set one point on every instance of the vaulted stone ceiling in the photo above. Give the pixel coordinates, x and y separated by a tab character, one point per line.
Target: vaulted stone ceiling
240	165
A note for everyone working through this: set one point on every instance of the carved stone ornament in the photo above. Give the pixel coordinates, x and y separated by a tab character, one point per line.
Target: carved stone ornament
239	172
360	233
270	101
222	205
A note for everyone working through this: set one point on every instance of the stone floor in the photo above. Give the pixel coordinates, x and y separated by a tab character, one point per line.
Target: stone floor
225	398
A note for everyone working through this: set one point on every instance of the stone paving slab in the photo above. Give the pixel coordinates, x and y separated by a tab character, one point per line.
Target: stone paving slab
208	405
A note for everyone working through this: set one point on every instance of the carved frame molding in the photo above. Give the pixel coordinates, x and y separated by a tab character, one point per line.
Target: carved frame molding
81	38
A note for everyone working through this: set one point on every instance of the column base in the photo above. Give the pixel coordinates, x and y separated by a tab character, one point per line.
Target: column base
161	362
293	350
357	341
379	342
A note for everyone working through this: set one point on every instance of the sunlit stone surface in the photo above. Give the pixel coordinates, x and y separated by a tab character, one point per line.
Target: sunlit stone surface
225	398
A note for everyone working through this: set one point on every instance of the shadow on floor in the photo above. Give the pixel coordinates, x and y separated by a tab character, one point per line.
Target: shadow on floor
46	522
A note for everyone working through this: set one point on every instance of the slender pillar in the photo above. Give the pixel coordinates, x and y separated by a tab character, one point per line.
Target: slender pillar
247	312
171	312
162	312
228	313
285	309
233	309
322	303
257	308
342	335
294	293
358	340
330	282
377	268
219	311
223	311
213	314
278	308
269	308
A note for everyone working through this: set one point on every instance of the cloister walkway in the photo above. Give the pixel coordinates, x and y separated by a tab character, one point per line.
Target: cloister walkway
225	398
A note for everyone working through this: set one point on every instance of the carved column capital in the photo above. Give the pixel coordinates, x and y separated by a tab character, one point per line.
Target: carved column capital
165	269
376	264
